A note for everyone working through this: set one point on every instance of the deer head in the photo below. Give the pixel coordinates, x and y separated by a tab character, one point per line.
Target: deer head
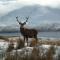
20	23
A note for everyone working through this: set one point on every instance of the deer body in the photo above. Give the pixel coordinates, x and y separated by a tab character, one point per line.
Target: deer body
27	33
31	33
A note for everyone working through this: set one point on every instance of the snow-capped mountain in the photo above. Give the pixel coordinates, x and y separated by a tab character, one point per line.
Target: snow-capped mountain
40	17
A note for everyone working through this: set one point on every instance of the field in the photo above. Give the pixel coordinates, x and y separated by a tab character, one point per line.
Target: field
40	41
43	50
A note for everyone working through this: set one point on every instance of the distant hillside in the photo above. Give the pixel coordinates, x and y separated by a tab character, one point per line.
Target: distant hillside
41	18
40	28
38	14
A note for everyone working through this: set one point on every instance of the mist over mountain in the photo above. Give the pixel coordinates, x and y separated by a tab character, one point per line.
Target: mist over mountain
41	17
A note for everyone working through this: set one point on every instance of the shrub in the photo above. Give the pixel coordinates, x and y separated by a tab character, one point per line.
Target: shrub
35	54
50	53
10	46
20	43
33	43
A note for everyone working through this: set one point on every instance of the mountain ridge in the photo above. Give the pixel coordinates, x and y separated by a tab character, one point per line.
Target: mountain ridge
39	17
36	12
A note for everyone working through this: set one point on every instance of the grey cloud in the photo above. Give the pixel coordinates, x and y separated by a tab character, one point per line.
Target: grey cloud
7	6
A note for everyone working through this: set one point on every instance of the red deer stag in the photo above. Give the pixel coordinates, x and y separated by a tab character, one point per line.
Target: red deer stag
27	33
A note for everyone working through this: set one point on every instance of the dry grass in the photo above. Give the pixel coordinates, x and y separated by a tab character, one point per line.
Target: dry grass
33	43
35	55
45	42
50	53
49	42
10	46
20	43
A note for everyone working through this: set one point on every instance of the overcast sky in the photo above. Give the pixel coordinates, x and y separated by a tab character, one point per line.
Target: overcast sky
7	6
10	5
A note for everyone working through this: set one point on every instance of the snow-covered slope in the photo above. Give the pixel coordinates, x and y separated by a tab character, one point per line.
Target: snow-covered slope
40	16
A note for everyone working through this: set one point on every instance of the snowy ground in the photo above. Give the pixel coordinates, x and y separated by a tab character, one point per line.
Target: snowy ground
25	50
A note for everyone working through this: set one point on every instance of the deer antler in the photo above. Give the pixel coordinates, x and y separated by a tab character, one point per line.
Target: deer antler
26	19
18	20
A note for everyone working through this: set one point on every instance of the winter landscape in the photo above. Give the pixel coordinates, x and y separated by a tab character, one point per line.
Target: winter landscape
29	30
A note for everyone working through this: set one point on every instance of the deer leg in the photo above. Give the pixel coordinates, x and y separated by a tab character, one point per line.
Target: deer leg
27	41
24	40
36	39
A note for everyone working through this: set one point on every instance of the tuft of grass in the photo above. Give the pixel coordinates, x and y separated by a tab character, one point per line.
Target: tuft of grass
10	46
20	43
33	43
50	53
36	54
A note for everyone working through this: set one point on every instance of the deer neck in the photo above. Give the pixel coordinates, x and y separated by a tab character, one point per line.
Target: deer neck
21	29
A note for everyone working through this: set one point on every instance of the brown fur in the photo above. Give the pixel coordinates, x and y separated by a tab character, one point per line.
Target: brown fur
27	33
